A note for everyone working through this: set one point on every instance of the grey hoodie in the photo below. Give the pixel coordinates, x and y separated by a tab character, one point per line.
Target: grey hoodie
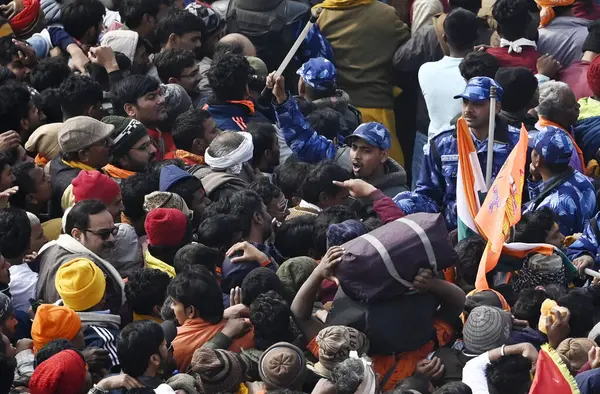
124	41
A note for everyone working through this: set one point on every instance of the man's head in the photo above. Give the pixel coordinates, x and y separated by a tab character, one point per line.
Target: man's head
476	101
181	29
198	254
15	234
94	185
9	58
229	151
86	140
18	111
552	151
35	188
134	190
329	123
513	18
178	65
228	77
318	188
7	178
289	177
486	328
81	96
255	220
132	148
539	226
8	321
213	27
528	305
142	349
520	88
220	231
469	251
273	198
81	285
38	238
146	290
142	15
317	79
129	48
194	130
369	149
90	223
266	146
593	77
478	64
295	237
139	97
558	104
270	316
509	375
50	72
460	30
82	19
196	293
175	180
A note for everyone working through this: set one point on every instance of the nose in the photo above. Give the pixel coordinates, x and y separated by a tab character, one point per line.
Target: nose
152	149
161	99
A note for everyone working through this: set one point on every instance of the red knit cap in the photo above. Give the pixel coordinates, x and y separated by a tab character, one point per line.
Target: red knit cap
593	76
62	373
24	22
94	185
165	227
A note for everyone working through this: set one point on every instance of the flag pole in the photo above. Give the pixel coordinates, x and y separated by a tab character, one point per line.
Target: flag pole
491	128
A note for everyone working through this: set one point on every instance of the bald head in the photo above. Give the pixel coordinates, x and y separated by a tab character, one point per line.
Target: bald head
238	43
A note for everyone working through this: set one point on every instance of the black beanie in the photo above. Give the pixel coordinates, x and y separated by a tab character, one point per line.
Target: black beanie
519	85
126	134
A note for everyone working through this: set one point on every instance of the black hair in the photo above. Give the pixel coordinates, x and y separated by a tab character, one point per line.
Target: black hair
5	160
513	18
188	126
178	22
217	230
244	204
25	182
134	190
270	316
15	232
50	105
167	312
325	218
50	72
326	122
416	382
519	85
123	61
6	76
198	288
295	236
265	189
460	27
228	77
320	180
454	388
371	223
259	281
223	47
98	74
469	251
470	5
528	305
581	305
186	188
130	90
132	11
509	375
137	342
77	16
51	348
14	106
7	369
347	375
8	50
79	216
146	289
78	93
198	254
263	136
290	176
478	64
534	226
171	62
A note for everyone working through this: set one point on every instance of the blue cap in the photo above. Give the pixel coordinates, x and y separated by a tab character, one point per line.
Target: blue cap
319	73
373	133
554	145
478	89
170	175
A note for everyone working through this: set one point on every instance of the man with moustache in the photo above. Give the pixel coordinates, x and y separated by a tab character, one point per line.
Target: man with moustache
89	232
132	149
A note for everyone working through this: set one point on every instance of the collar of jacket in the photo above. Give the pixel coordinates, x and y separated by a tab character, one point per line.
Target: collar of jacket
500	130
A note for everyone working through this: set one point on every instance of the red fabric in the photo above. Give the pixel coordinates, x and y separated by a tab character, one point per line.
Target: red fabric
64	372
548	377
385	207
167	141
28	16
165	227
576	77
586	10
527	58
94	185
593	76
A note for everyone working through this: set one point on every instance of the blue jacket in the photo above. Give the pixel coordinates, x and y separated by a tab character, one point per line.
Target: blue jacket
573	202
587	136
587	244
436	188
233	116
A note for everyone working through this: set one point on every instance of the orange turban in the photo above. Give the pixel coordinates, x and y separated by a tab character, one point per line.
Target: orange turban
547	11
53	322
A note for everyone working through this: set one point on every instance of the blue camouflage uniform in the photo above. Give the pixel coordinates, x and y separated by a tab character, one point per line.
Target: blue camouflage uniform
570	195
587	244
436	188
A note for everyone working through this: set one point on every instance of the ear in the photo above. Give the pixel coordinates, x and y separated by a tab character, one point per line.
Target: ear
192	312
257	218
129	110
199	145
172	40
77	234
385	154
322	198
24	123
155	359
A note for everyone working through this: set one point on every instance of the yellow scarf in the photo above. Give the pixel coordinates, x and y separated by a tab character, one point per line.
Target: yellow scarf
78	164
342	4
154	263
115	172
137	317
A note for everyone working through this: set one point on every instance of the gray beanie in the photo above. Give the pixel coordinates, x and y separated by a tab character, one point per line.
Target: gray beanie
486	328
177	101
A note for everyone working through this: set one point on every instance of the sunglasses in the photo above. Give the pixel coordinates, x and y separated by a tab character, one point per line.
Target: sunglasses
105	233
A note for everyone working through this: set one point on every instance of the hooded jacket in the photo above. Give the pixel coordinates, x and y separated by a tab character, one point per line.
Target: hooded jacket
351	116
124	41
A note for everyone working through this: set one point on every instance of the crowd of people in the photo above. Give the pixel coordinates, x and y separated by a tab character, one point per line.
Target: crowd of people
178	217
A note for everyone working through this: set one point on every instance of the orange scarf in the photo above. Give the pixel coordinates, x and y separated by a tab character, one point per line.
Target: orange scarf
545	123
189	158
246	103
40	160
547	11
118	173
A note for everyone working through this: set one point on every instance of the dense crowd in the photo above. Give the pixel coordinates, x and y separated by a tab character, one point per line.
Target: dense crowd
176	216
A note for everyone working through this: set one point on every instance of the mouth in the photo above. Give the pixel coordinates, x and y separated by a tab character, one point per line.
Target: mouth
356	167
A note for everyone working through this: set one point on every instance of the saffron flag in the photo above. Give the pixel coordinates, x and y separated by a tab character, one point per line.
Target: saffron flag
552	375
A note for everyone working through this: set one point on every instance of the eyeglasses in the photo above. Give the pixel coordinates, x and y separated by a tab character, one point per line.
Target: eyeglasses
104	233
144	147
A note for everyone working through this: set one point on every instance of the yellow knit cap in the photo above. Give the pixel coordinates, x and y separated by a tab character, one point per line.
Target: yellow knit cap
80	284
